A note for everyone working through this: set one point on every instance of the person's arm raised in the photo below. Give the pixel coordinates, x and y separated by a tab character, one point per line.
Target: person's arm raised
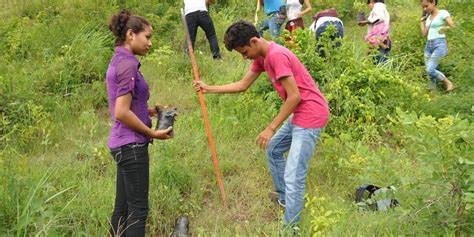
234	87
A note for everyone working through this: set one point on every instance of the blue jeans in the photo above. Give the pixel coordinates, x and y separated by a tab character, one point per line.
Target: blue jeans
273	23
289	176
131	198
382	56
435	50
338	34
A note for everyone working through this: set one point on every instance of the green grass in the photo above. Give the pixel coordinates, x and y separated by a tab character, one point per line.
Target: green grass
57	176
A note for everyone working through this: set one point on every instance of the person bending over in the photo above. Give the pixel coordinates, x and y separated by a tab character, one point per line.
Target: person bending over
304	112
322	21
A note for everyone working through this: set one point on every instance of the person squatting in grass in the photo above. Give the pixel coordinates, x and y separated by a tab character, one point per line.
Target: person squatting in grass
197	16
305	110
378	30
433	26
131	131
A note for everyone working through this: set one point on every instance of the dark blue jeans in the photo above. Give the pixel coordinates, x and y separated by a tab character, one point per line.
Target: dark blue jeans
203	19
382	56
339	34
131	198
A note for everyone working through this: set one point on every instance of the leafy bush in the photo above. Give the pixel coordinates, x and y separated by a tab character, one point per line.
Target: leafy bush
21	121
446	146
360	95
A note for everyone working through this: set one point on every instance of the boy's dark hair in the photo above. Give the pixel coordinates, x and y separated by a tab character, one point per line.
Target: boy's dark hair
375	1
239	35
432	1
121	22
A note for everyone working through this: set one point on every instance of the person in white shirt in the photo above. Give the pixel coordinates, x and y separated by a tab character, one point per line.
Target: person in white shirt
378	30
295	13
197	16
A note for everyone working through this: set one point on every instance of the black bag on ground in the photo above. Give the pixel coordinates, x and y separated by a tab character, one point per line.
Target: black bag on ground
371	197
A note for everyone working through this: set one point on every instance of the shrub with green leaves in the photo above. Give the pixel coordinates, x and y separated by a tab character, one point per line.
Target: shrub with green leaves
360	94
445	147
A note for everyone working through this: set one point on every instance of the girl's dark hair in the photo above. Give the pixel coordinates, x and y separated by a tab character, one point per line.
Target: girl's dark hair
121	22
432	1
239	35
369	1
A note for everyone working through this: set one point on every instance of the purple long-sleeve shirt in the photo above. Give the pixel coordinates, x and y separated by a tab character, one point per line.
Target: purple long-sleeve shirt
123	76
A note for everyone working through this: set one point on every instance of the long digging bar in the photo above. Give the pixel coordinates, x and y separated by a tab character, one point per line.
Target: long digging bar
203	109
255	22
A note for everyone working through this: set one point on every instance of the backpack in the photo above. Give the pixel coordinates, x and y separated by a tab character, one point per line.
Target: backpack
371	197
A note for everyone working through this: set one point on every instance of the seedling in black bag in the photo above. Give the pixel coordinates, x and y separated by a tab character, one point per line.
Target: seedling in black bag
424	15
166	118
182	227
361	16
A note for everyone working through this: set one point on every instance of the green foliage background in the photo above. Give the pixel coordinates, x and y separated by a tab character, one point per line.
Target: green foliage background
57	177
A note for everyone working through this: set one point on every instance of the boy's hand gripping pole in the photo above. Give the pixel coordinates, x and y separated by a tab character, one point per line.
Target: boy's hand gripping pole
203	109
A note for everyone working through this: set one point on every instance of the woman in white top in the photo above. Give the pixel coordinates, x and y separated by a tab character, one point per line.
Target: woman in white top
295	13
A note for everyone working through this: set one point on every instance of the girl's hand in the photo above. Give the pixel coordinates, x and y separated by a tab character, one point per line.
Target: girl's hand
152	113
362	23
162	134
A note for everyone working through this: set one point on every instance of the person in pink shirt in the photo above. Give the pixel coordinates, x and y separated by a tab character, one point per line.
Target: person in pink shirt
304	113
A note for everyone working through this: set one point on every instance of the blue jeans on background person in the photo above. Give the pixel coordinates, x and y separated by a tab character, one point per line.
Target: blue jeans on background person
382	56
435	50
131	198
338	34
289	176
272	23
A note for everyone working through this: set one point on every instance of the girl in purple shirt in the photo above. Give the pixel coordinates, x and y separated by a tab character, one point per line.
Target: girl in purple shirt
131	132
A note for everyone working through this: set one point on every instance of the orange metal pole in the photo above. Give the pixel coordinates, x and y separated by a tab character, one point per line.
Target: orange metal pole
204	111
